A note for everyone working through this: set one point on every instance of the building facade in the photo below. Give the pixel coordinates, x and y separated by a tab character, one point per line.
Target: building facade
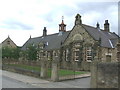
8	43
77	47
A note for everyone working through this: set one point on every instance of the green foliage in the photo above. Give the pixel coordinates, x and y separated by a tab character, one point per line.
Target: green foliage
15	53
30	53
10	52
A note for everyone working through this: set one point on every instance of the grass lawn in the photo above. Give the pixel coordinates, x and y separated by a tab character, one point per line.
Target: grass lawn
36	68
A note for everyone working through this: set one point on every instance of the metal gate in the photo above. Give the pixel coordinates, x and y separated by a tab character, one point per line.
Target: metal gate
70	61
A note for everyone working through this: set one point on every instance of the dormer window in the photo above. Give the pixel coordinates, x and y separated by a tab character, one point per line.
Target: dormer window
45	44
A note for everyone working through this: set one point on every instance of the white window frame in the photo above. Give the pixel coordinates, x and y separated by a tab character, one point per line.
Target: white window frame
66	55
75	52
88	50
48	55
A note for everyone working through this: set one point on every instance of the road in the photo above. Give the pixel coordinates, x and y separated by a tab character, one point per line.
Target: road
14	80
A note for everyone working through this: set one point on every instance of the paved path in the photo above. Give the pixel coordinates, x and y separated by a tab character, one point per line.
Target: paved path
12	83
14	80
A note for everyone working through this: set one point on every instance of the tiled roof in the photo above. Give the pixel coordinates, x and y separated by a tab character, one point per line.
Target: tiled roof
108	39
54	41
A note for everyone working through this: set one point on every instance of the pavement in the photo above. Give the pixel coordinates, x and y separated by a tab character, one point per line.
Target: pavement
23	78
37	82
75	76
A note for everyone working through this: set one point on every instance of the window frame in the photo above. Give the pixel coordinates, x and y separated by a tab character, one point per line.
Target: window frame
88	54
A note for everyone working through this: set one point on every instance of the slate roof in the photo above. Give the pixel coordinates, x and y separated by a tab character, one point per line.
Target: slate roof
108	39
54	41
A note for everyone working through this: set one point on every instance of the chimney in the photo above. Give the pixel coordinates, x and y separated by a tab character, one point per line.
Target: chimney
97	25
106	26
44	32
78	20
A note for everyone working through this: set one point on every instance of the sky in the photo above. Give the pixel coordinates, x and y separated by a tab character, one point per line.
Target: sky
21	18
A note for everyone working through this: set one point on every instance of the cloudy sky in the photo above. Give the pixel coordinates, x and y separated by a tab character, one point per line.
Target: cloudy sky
21	18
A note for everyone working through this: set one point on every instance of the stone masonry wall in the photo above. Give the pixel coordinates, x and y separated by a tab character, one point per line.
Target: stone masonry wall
105	75
109	51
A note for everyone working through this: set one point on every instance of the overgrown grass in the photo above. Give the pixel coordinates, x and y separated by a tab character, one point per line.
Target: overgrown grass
61	72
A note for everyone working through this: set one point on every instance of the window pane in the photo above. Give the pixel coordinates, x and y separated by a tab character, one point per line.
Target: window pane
89	53
77	53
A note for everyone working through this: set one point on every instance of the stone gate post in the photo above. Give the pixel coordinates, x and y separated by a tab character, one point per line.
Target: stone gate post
118	59
93	81
118	51
44	68
55	68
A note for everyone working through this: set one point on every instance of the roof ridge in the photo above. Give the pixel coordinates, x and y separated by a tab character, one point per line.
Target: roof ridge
92	27
89	26
10	39
48	35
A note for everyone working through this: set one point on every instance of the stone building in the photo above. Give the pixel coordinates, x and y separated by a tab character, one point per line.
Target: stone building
77	47
8	43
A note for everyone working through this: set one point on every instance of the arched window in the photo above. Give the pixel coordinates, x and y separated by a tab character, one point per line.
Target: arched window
77	51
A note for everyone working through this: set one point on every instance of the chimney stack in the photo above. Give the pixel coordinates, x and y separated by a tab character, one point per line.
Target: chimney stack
44	32
106	26
78	20
97	25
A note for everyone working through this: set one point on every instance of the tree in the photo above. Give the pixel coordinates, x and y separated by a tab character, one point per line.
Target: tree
10	52
31	52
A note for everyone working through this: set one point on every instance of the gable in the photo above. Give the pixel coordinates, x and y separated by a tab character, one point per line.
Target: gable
9	43
78	33
108	39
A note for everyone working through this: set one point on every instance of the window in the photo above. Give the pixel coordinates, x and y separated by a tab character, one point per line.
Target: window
48	56
77	44
66	54
8	42
77	51
88	53
44	53
77	54
55	53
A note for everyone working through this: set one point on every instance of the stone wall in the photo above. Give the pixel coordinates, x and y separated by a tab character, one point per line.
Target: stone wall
79	33
21	70
109	51
105	75
9	43
24	62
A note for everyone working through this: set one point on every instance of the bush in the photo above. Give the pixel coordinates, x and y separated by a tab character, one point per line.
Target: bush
10	52
30	53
